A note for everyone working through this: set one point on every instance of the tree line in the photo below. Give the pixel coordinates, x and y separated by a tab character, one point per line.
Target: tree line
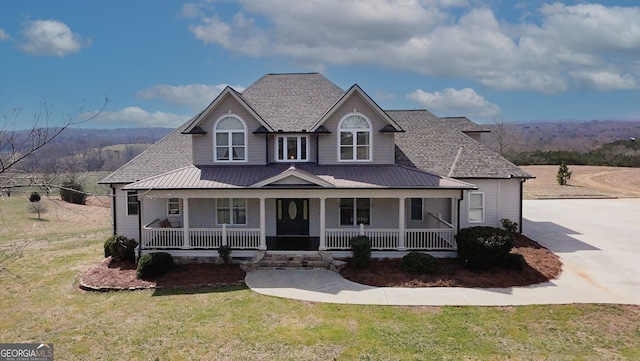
622	153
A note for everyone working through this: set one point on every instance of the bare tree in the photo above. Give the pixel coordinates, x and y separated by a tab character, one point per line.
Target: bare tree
37	208
501	136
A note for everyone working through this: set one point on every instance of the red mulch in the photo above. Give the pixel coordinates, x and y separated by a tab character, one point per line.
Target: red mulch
542	266
108	275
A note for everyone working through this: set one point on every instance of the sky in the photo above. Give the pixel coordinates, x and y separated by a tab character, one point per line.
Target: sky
159	63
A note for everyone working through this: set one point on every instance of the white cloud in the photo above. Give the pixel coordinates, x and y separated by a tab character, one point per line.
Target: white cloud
4	35
51	37
604	80
137	117
196	96
456	102
433	38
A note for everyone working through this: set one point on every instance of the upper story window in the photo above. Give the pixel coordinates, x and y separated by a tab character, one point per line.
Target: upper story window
230	140
355	138
292	148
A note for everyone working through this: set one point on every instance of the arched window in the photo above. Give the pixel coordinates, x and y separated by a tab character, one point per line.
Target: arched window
230	140
355	138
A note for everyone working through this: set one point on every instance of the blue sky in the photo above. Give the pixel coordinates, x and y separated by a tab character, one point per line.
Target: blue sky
161	62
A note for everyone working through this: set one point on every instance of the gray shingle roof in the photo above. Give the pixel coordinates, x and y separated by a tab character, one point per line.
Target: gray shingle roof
340	176
292	102
439	145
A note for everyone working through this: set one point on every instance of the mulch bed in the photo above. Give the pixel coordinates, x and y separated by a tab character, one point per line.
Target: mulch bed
542	266
110	276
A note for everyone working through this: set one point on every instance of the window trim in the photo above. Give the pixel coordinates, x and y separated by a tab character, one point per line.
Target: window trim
230	145
411	214
130	202
481	208
232	220
355	139
299	148
173	201
354	212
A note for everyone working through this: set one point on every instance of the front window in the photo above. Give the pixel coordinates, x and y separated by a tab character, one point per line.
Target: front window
230	140
416	209
132	204
355	211
355	138
292	148
231	211
173	207
476	207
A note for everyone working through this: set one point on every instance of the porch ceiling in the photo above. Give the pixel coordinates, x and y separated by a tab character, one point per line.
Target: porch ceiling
334	176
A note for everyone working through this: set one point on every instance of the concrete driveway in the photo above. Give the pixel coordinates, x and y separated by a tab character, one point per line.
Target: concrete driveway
598	241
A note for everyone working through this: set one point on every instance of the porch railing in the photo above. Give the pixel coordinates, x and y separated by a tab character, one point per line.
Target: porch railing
388	239
201	238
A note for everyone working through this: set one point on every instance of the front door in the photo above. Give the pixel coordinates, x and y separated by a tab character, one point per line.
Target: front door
292	217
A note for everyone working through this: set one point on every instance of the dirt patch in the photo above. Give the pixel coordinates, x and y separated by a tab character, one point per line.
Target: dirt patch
108	275
542	266
585	182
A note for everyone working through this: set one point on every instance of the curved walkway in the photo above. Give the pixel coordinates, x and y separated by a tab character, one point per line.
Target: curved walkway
597	241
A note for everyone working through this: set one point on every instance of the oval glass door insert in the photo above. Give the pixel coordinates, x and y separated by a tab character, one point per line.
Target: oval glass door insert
293	210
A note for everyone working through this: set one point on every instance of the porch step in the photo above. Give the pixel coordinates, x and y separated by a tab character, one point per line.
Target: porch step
267	260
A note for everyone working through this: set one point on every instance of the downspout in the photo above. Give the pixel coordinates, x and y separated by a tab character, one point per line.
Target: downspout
459	203
521	195
113	210
139	226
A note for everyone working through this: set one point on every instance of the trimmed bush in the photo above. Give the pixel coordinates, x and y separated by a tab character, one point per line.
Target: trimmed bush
482	247
361	249
225	253
154	264
508	225
72	192
513	261
35	197
419	263
120	248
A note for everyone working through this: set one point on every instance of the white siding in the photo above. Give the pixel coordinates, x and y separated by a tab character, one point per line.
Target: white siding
501	200
383	144
125	225
203	144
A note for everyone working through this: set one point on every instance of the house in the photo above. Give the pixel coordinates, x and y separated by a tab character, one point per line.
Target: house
294	163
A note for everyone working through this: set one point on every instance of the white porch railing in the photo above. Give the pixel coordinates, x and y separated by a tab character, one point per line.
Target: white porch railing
388	239
200	238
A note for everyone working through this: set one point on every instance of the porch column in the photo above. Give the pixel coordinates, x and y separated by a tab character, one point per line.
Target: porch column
323	226
186	241
263	225
401	224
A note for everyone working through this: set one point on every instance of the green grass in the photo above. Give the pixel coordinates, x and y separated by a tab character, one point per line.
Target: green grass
233	323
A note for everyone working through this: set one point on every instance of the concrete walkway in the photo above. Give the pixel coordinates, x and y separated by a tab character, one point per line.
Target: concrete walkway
598	242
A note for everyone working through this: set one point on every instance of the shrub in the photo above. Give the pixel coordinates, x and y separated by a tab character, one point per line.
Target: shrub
154	264
482	247
513	261
35	197
361	249
508	225
225	253
564	174
120	248
73	192
419	263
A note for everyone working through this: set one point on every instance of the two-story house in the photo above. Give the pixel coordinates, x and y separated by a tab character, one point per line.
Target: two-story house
294	163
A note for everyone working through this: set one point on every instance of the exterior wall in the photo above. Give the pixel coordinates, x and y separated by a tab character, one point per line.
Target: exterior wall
203	152
501	200
435	206
383	144
125	225
384	213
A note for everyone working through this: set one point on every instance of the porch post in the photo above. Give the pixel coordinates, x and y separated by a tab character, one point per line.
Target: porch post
186	241
263	225
323	226
401	224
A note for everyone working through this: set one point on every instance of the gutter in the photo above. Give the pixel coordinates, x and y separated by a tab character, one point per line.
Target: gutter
114	227
521	201
139	226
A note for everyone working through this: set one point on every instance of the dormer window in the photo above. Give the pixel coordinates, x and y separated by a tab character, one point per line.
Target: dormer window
230	139
292	148
354	138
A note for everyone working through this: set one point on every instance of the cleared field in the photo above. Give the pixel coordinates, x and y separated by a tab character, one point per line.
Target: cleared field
585	182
